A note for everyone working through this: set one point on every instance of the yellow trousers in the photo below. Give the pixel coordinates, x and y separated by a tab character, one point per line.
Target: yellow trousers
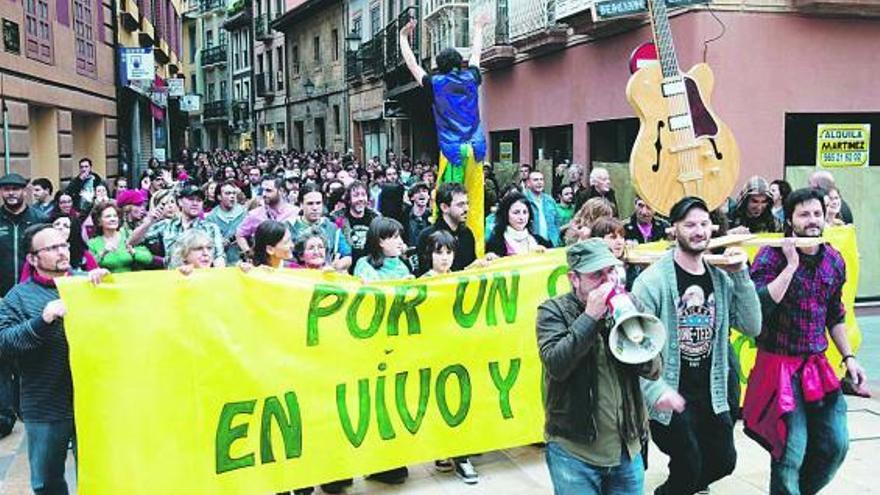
473	184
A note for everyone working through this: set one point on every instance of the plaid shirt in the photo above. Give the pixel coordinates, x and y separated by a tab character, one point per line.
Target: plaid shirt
796	325
170	230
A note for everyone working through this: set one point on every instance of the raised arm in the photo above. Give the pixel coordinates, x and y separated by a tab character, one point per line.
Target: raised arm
477	40
408	56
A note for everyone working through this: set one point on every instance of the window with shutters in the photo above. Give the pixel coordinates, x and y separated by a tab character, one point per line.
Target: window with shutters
84	37
38	30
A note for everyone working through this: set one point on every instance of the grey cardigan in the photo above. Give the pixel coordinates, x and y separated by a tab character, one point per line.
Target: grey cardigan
736	304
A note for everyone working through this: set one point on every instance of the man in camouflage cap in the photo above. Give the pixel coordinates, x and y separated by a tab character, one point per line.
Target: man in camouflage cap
596	419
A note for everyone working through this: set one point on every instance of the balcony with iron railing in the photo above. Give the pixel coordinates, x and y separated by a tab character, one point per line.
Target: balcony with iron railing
381	55
214	55
216	110
497	50
533	26
437	7
262	31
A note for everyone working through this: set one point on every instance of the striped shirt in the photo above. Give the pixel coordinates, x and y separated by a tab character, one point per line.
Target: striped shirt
796	325
41	350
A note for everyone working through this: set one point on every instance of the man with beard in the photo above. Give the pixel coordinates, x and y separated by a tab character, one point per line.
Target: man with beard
337	249
595	414
251	188
275	207
643	226
793	404
191	200
15	218
354	220
698	303
32	330
228	215
565	207
452	201
754	210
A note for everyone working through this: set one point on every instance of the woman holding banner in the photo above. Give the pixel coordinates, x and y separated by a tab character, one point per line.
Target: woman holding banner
512	232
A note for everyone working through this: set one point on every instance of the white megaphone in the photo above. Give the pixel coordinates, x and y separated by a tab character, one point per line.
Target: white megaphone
635	337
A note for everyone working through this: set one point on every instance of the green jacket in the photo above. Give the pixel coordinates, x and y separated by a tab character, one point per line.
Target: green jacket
120	260
736	305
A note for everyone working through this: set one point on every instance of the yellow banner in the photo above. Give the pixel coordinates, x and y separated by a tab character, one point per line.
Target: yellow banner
224	382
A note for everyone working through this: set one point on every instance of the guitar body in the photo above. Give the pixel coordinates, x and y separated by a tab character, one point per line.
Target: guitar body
672	158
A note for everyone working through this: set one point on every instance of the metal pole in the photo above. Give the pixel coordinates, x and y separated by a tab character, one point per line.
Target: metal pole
252	92
5	127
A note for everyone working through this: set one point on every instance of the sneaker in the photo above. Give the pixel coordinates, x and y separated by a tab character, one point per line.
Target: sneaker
465	470
443	465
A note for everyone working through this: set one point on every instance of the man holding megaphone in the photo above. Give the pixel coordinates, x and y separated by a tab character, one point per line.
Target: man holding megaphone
698	303
596	418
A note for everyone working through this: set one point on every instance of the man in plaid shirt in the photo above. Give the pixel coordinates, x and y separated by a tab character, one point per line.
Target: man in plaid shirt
793	388
191	199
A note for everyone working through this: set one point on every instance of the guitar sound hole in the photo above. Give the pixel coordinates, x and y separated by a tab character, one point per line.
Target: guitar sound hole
718	155
658	146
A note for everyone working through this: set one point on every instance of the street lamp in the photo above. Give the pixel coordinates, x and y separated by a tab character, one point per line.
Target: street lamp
309	87
353	41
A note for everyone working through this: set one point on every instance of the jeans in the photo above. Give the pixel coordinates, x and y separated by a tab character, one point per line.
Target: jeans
700	447
47	454
815	447
572	476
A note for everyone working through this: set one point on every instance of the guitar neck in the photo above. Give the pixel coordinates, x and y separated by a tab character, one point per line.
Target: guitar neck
663	38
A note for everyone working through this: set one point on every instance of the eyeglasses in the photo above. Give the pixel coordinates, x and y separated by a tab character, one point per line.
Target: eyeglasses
54	247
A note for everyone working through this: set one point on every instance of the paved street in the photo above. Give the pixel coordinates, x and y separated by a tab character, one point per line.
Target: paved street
522	470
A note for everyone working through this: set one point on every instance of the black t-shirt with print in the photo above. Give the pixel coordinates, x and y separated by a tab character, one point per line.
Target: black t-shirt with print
696	333
358	234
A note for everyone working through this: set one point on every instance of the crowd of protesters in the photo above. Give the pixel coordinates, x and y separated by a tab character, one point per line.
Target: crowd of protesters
379	220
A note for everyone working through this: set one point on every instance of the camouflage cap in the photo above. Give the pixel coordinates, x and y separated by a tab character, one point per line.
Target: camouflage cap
590	256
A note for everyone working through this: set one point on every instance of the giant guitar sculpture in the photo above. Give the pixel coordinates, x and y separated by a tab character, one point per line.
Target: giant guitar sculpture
682	148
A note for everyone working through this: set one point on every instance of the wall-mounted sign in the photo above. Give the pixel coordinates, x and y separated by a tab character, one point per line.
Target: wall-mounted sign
843	145
505	151
139	64
610	9
190	103
175	87
159	97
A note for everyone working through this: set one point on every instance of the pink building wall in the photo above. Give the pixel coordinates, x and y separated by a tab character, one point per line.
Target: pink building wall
765	65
